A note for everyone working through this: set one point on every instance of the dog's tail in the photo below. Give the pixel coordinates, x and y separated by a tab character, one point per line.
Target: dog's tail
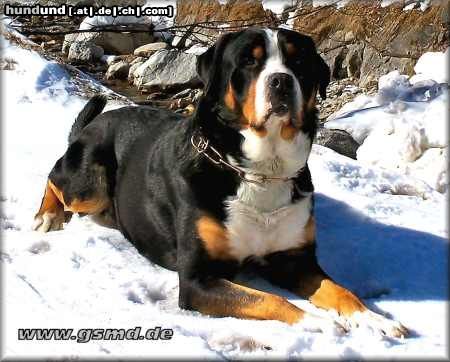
91	110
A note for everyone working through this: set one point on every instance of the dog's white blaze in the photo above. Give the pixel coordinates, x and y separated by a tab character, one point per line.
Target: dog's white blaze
273	64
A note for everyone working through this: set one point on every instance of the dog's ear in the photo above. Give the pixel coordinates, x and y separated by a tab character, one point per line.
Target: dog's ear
204	64
323	76
209	63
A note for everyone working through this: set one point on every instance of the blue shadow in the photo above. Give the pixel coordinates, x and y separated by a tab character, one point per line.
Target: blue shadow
379	260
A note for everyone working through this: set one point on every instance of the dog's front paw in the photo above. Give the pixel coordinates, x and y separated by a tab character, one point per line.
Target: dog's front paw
49	221
312	323
377	323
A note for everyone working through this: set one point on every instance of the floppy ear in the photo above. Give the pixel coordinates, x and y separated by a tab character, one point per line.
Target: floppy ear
204	64
323	74
209	63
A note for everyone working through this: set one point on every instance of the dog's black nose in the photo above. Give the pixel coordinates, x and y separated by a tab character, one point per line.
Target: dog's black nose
281	82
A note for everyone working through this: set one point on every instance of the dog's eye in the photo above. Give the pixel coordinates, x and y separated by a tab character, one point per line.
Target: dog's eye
248	61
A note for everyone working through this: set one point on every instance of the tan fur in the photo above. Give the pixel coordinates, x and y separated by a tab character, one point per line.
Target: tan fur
258	52
214	237
248	303
324	293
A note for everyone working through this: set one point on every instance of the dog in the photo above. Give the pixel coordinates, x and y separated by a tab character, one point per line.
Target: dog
227	189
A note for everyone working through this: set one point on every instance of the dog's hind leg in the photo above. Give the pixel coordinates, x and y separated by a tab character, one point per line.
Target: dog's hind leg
78	183
51	214
57	209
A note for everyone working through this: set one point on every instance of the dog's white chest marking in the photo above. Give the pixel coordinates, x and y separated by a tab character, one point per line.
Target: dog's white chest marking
262	221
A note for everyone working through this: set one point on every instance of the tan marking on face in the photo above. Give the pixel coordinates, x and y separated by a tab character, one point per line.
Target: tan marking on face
288	131
214	237
248	106
260	131
290	49
258	52
230	100
235	300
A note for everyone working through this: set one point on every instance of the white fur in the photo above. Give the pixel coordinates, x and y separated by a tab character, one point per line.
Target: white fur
376	322
313	323
273	64
254	232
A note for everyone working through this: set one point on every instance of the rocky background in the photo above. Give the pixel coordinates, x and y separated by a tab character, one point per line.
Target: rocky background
360	41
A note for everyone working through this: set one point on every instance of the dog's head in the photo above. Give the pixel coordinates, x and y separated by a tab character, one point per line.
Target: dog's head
263	84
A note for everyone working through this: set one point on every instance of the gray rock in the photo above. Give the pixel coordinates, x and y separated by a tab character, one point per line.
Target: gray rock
338	140
117	70
167	69
84	52
334	58
133	67
374	65
69	39
138	60
353	60
112	43
149	49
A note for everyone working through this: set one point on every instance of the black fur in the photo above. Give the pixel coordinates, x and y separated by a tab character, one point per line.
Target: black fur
91	110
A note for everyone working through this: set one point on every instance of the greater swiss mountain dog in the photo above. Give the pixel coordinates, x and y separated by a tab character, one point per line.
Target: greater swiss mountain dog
226	189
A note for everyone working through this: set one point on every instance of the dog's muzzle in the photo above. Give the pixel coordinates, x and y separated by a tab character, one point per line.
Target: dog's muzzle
281	93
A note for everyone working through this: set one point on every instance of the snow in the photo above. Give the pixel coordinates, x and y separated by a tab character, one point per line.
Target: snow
430	66
277	6
404	127
380	232
160	22
422	4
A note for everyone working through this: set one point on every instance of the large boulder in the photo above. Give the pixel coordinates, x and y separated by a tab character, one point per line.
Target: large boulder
167	69
149	49
117	70
112	43
84	52
338	140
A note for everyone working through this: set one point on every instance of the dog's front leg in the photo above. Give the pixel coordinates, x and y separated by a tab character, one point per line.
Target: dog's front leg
223	298
298	271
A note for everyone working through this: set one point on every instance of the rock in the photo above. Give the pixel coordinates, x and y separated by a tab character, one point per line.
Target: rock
133	67
167	69
334	57
113	43
117	70
84	52
353	60
338	140
149	49
373	66
393	39
68	40
138	60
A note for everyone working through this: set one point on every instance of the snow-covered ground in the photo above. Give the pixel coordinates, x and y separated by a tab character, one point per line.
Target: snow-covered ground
380	233
404	127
